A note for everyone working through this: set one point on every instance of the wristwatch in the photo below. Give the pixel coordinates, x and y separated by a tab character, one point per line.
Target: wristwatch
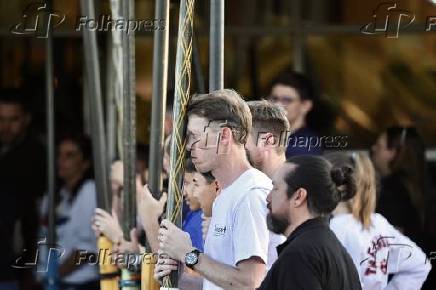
191	258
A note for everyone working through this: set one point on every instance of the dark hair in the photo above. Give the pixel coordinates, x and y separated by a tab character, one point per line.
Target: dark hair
364	202
84	144
302	84
225	106
190	168
208	176
326	186
142	153
14	97
409	163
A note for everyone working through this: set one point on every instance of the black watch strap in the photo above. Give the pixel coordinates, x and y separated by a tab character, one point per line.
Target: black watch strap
190	263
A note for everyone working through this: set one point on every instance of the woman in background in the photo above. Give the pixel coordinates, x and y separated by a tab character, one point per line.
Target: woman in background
378	249
399	158
75	205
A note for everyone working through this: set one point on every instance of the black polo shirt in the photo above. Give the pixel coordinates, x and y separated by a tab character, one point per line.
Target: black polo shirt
312	258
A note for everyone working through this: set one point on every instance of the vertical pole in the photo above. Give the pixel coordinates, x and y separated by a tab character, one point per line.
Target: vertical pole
52	273
158	104
111	124
181	99
196	62
95	101
298	41
216	46
50	129
129	124
130	279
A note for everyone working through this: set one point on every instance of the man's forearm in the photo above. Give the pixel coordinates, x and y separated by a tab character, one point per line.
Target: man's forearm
151	227
226	276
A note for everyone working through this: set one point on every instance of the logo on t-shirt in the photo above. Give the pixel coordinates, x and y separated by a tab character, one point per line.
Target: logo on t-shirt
220	230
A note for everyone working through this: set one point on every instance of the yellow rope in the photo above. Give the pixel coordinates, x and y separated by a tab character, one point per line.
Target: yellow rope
182	96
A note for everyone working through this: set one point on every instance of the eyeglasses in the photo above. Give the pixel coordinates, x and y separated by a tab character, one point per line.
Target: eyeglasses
284	100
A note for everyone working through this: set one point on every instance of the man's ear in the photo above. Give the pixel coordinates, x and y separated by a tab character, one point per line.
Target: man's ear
307	105
270	140
226	136
300	197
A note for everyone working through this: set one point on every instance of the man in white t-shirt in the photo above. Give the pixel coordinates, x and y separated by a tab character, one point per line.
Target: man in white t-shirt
236	246
266	146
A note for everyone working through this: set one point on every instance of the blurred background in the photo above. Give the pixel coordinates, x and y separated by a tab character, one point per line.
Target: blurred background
368	81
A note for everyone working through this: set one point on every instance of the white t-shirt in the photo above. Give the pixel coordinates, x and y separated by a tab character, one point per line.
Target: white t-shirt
73	229
238	228
379	251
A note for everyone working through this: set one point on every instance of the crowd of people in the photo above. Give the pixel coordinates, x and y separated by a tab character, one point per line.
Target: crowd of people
258	213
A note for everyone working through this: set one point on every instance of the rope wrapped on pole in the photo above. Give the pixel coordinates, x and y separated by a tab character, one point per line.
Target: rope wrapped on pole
178	140
216	46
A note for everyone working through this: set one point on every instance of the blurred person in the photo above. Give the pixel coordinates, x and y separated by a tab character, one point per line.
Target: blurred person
265	150
384	258
306	190
75	205
22	182
297	95
142	159
192	220
218	127
399	157
206	189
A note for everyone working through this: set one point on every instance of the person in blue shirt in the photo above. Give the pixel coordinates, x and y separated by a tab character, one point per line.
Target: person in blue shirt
193	216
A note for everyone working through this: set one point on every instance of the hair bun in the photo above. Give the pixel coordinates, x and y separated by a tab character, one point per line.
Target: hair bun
343	179
338	176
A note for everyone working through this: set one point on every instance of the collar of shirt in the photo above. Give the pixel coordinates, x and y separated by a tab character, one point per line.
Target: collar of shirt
304	227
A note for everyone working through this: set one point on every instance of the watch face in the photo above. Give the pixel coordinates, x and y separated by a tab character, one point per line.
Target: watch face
191	258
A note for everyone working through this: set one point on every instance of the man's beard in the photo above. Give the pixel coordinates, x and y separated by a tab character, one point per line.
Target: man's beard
277	225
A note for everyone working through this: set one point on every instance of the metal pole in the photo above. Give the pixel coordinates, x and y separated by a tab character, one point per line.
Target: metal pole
50	131
216	46
95	100
178	140
52	273
129	279
197	66
158	104
298	41
111	124
129	126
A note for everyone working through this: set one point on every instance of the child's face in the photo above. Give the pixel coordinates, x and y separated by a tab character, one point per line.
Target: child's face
205	192
188	189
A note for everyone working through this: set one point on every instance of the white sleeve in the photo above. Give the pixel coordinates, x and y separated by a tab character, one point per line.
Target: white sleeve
250	232
349	238
81	217
407	262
